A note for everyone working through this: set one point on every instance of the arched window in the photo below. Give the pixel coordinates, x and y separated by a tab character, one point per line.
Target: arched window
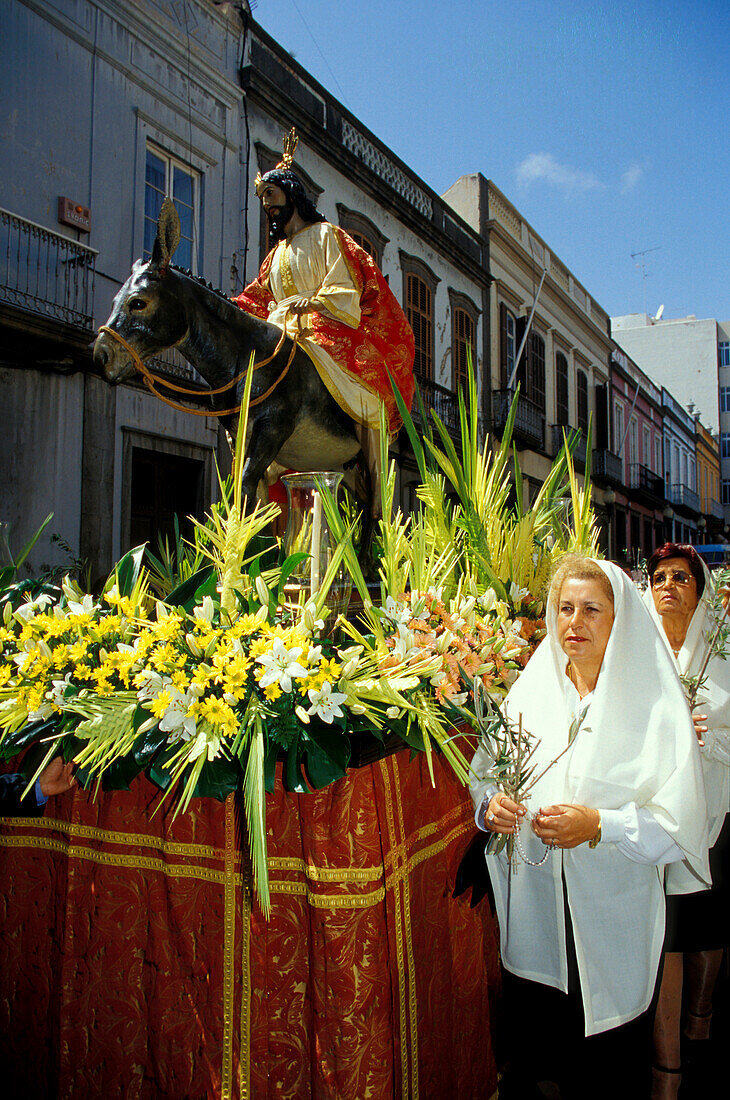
507	344
419	288
464	317
562	399
363	232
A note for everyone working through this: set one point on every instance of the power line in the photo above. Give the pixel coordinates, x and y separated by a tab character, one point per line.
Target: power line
321	54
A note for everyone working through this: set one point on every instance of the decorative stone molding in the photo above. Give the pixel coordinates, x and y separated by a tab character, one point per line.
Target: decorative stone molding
383	167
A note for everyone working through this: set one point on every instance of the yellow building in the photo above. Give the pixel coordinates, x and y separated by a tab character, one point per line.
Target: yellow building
708	481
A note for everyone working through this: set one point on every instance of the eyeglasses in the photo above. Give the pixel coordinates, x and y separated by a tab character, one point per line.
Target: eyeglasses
678	577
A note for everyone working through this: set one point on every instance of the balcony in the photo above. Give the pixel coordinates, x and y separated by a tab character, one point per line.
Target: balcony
606	466
44	273
715	509
685	498
445	403
645	484
529	426
579	451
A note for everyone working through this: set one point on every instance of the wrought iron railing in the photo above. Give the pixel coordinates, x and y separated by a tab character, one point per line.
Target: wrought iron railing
46	273
715	509
685	497
646	481
606	466
579	451
529	418
444	403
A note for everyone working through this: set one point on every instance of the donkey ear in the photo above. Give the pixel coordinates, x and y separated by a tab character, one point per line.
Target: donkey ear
168	235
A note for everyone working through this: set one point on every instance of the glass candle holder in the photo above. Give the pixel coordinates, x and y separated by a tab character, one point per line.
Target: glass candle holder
308	532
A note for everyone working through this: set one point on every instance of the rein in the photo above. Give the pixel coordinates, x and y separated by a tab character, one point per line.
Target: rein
151	380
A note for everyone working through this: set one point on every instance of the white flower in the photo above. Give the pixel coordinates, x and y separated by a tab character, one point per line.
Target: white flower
150	685
281	665
404	647
326	702
262	591
311	623
84	606
57	694
204	612
392	712
302	715
29	610
517	594
348	668
176	720
487	599
397	613
314	655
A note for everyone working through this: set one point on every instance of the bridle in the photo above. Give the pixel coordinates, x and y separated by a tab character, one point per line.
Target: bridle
152	380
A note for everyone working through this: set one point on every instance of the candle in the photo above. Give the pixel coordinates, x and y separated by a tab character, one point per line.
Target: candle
316	539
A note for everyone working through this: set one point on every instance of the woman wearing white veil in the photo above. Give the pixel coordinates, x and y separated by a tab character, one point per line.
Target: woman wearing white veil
680	601
584	929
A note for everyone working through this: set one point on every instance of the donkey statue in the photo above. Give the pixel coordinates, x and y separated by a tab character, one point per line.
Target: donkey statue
293	419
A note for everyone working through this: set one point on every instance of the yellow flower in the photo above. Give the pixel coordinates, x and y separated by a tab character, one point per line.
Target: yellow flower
272	692
244	626
160	703
330	667
180	680
77	651
6	673
258	647
218	713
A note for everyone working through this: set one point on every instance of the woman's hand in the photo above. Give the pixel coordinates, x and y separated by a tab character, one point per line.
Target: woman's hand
700	727
503	814
566	826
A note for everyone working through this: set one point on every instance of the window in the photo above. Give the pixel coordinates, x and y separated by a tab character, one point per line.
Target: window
726	490
535	387
464	316
691	474
507	344
723	349
562	400
167	176
646	446
581	387
618	427
658	455
633	440
419	287
724	444
363	232
724	399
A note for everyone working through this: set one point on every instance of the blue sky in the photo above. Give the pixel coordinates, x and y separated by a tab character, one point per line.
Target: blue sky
605	124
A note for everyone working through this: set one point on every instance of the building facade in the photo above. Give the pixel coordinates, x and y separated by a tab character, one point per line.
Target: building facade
563	371
707	451
680	471
111	107
690	356
639	511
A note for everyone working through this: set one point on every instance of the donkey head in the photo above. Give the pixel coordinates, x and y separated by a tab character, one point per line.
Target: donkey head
149	311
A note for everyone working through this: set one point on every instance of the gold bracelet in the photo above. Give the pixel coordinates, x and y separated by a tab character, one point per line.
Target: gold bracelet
597	838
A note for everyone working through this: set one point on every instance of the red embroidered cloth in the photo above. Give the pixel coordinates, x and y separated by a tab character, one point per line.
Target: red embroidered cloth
382	343
132	964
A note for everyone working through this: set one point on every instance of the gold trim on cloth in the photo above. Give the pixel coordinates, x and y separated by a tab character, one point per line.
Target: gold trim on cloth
412	1005
397	850
229	942
287	279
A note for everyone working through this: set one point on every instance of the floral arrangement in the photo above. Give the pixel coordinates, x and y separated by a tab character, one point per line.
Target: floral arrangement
206	688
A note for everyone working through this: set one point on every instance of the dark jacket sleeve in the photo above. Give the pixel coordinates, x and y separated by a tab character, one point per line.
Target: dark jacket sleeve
11	805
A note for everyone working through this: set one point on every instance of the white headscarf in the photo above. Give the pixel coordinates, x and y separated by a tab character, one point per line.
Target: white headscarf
713	700
638	742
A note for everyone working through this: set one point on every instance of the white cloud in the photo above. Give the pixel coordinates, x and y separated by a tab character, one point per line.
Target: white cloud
630	178
544	166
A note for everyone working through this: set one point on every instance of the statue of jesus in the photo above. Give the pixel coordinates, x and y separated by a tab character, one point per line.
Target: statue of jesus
330	295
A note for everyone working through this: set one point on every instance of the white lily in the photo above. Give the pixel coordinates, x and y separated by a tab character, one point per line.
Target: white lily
84	606
281	665
326	702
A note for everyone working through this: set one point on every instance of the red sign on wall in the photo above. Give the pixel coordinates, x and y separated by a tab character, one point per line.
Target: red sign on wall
73	214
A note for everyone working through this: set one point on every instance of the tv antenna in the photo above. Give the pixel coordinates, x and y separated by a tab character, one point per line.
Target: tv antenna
640	265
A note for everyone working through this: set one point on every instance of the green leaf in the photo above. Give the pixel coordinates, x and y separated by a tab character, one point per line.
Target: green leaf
293	778
287	568
13	743
327	755
218	779
192	591
20	558
126	571
272	755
